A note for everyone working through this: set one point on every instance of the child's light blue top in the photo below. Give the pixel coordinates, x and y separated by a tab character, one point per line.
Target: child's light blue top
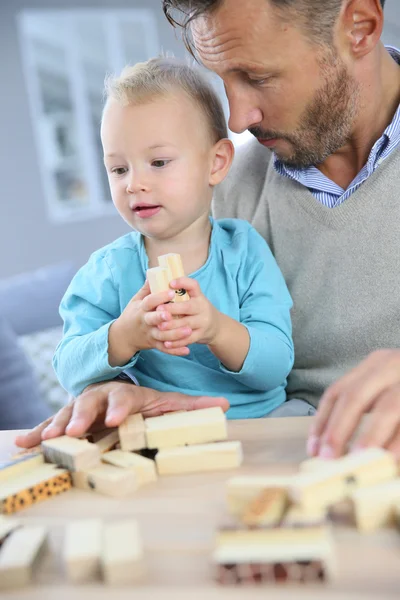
240	278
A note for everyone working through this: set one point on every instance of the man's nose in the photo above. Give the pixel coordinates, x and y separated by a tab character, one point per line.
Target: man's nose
243	113
137	183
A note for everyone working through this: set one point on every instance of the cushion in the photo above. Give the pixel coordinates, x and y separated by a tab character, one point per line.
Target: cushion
21	405
39	347
30	301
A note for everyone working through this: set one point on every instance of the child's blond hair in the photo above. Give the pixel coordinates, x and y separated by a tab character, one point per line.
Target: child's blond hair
159	77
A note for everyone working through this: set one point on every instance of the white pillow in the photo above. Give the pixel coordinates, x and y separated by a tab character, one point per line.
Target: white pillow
39	348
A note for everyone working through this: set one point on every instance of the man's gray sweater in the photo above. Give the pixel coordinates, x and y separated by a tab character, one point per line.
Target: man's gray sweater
342	265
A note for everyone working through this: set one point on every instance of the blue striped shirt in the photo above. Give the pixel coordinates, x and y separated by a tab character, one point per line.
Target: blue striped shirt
329	193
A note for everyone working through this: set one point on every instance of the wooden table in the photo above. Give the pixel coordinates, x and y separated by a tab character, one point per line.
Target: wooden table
178	517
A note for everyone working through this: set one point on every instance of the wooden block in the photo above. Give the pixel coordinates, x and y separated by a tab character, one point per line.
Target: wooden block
72	453
7	525
200	458
311	465
335	482
122	555
144	468
18	555
132	434
242	490
275	554
173	263
375	507
192	427
32	487
298	516
267	508
107	440
17	466
107	480
83	549
158	279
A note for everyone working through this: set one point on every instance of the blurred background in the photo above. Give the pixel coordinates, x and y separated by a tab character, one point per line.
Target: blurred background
54	198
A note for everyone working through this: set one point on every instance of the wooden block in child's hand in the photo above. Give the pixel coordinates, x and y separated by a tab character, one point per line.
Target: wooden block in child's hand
173	263
158	279
18	555
72	453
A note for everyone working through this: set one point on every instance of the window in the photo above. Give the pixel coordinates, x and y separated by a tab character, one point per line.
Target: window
66	55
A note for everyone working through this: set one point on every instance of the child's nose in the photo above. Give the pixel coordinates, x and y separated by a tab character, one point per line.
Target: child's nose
137	184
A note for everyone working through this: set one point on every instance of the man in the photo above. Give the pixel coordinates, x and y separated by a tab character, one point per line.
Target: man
315	86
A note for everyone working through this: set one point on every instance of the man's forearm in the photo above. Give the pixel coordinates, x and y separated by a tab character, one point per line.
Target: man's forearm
231	344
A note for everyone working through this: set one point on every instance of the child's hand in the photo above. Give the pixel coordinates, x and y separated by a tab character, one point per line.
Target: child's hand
197	315
136	328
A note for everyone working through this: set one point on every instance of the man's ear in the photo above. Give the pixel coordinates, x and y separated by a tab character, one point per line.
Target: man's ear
221	160
363	21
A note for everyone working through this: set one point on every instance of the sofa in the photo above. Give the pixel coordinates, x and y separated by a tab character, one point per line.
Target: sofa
30	329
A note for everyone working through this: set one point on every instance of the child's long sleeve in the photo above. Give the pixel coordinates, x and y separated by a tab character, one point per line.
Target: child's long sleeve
265	305
89	307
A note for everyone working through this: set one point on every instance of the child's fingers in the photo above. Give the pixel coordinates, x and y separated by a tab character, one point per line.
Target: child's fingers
179	343
157	318
188	307
152	301
183	351
173	335
169	325
186	283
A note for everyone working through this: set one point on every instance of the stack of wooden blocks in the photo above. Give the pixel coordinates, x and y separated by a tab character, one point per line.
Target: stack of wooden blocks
108	463
281	530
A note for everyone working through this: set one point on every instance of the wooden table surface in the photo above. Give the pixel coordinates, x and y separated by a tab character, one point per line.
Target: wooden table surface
178	517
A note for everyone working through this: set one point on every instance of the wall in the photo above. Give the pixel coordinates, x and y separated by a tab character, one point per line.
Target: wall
27	238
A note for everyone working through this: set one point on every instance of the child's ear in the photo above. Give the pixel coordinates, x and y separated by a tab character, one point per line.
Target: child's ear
222	157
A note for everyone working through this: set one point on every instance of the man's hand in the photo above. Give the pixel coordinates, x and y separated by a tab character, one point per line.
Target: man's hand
108	404
372	387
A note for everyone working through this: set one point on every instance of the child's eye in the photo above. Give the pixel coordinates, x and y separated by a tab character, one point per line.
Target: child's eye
119	170
159	163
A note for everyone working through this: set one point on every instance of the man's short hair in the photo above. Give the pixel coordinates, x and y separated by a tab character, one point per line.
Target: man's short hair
163	76
316	16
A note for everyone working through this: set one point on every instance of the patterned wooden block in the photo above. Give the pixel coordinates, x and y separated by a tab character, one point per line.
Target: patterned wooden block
311	571
40	484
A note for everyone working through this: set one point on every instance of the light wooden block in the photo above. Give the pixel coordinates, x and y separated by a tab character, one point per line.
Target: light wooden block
375	507
122	555
107	440
191	427
132	434
18	555
173	263
34	486
83	549
335	482
7	525
144	468
299	516
311	465
199	458
243	489
72	453
267	509
17	466
158	278
107	480
275	554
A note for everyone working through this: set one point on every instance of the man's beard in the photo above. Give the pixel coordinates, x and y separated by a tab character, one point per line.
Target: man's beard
326	123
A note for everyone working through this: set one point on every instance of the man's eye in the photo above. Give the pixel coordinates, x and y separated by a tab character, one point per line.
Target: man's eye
159	163
119	170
